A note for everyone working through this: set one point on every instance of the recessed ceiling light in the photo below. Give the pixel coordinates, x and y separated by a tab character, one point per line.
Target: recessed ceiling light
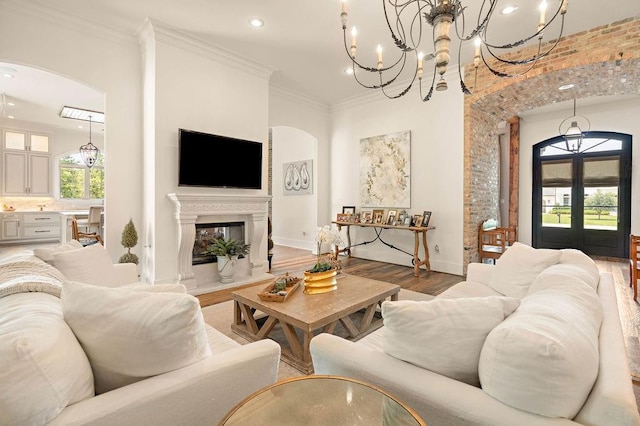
80	126
256	22
348	71
8	72
11	104
566	87
508	10
10	116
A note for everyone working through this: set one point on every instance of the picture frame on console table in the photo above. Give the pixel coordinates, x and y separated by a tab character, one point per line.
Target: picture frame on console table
342	217
349	209
391	217
426	216
417	220
378	216
365	216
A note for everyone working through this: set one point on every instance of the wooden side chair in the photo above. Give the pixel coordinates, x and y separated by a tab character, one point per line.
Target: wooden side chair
634	263
84	238
492	243
94	220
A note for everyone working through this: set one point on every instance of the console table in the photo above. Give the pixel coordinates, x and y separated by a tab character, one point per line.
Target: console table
417	232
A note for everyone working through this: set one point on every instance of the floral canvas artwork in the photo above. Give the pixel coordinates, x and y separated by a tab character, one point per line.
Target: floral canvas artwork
385	170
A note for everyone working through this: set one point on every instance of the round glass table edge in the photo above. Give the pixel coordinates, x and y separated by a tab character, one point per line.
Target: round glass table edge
242	403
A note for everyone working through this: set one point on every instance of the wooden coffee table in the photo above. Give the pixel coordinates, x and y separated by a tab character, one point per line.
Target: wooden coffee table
304	314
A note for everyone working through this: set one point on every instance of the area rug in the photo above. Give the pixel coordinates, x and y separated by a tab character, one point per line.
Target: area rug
220	317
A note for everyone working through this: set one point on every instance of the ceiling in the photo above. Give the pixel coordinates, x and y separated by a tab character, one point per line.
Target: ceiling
302	40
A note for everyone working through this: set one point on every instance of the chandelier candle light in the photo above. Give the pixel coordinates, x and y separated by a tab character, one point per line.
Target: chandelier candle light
405	20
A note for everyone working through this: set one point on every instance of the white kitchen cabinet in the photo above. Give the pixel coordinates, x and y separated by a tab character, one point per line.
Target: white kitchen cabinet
26	164
10	226
30	226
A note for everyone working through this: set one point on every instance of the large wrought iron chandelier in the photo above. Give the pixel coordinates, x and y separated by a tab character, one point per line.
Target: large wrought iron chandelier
89	152
406	20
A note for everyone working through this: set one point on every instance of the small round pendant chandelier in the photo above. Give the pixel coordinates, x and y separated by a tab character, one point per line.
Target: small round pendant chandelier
89	152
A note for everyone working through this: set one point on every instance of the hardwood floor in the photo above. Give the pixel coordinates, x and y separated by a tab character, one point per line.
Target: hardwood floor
293	260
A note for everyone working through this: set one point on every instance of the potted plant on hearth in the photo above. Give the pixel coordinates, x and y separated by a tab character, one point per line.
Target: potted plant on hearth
227	251
321	278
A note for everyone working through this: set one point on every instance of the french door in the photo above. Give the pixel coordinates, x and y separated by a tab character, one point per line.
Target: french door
582	199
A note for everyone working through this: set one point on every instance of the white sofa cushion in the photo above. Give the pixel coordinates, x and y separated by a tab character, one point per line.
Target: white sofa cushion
89	265
129	335
42	366
443	335
518	267
589	270
46	253
544	358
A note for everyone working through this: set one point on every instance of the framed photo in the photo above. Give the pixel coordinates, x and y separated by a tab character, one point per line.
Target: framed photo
407	220
417	220
365	216
349	209
426	216
342	217
378	216
391	217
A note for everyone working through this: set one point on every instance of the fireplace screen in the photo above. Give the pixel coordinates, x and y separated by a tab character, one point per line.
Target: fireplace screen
207	233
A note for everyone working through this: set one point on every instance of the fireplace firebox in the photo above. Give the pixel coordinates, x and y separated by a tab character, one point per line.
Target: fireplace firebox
207	233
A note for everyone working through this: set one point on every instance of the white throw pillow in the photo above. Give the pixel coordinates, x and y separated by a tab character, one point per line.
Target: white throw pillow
42	366
443	335
46	253
581	260
89	265
518	267
130	335
544	358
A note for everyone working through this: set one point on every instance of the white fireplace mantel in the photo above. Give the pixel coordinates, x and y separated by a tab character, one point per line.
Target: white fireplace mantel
190	209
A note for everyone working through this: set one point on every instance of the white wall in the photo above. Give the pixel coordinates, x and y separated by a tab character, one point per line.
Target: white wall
199	87
105	61
294	217
620	116
436	170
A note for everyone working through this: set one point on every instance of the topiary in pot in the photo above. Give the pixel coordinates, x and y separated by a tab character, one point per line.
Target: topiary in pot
129	239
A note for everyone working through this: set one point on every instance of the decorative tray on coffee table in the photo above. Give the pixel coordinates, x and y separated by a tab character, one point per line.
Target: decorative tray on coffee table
270	294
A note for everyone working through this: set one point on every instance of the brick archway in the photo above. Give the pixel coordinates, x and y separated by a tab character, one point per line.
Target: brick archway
588	59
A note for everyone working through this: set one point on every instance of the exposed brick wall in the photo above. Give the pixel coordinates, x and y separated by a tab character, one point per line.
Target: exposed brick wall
589	59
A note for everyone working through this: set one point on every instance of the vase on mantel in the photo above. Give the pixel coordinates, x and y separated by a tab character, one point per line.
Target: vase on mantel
320	282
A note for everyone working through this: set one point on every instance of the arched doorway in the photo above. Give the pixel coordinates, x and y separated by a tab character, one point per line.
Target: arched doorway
583	200
294	213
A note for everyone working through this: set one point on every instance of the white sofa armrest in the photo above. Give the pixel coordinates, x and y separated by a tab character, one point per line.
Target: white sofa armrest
199	394
125	273
480	272
439	400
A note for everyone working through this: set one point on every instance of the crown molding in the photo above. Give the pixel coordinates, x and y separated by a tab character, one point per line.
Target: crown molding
288	94
43	10
154	30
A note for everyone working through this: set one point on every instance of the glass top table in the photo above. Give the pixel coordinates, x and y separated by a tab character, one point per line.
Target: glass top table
321	400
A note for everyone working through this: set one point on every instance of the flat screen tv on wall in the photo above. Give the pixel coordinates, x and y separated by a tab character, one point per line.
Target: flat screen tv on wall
218	161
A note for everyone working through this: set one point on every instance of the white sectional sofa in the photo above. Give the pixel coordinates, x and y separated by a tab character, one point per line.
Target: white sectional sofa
558	358
57	336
